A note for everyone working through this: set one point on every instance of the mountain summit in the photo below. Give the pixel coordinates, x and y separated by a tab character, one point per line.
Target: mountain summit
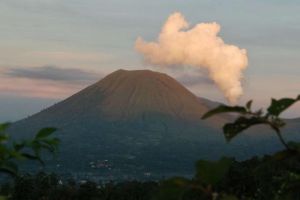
131	94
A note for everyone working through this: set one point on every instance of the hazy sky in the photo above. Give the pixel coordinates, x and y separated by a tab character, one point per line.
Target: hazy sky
50	49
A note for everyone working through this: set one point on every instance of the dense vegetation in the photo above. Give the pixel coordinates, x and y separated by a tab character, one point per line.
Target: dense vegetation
261	178
271	177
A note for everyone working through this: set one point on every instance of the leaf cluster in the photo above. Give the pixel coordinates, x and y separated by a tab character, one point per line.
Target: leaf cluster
247	118
13	151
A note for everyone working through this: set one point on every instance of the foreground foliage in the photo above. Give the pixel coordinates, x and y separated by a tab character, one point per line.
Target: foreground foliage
11	152
247	118
271	177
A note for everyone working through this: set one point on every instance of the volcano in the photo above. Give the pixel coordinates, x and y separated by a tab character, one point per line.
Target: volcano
128	96
137	124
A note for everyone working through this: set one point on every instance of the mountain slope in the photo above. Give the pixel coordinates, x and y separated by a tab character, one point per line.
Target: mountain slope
127	95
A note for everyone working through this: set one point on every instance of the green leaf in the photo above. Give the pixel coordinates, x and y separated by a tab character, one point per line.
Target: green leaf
52	141
18	146
9	167
30	157
4	126
48	147
249	104
294	145
173	188
212	172
15	154
3	197
240	124
224	109
178	181
278	106
4	151
45	132
3	138
229	197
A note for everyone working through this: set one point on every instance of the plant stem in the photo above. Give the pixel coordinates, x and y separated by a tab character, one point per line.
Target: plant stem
282	140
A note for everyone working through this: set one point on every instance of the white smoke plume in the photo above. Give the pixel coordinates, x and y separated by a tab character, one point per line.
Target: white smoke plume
198	47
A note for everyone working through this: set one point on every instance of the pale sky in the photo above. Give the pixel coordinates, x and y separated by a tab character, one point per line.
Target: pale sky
50	49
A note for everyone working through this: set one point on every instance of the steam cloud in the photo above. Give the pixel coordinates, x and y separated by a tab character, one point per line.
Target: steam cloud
198	47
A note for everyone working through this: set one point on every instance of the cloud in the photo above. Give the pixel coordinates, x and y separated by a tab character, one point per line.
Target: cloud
15	57
67	56
49	82
54	73
198	47
36	88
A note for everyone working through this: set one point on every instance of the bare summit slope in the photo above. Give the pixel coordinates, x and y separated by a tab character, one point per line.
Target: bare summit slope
128	95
